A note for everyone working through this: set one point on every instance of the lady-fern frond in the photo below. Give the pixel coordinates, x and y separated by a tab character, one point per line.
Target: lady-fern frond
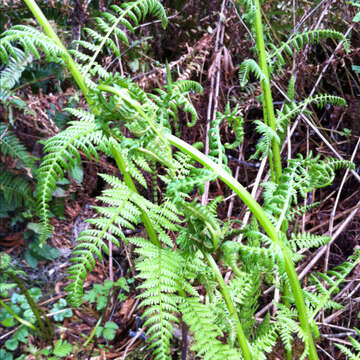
31	40
62	151
10	145
356	347
292	109
14	69
16	190
297	42
202	323
128	15
161	270
248	66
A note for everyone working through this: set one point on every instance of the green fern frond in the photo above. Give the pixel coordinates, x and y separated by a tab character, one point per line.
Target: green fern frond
16	190
15	67
307	241
201	321
333	278
300	210
161	270
63	152
10	145
81	114
248	66
263	147
356	347
292	110
128	15
287	326
31	40
308	37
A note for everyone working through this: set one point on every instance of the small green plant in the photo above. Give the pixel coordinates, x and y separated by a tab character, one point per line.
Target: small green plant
100	293
60	350
108	331
61	311
22	308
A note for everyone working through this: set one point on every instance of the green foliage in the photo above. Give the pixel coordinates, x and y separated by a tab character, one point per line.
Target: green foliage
61	311
201	321
110	27
352	354
108	331
161	271
131	126
62	348
99	294
299	40
31	41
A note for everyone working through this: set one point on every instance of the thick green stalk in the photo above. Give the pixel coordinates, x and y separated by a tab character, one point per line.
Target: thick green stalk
266	89
231	307
264	221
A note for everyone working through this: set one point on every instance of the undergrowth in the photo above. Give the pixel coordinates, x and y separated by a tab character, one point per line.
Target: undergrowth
179	261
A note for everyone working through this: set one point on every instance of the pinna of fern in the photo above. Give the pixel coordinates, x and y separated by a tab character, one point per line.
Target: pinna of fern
111	25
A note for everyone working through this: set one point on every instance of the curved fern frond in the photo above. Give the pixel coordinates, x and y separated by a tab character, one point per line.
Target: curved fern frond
14	69
263	147
128	15
62	151
16	190
308	37
30	40
248	66
10	145
292	110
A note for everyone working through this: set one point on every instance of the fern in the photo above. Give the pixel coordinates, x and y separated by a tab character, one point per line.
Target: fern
292	110
30	40
62	152
10	145
287	326
15	67
248	66
356	347
161	271
307	241
201	321
297	42
128	16
16	190
333	279
122	210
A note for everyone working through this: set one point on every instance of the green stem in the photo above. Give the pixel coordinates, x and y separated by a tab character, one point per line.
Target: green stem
266	89
92	334
259	213
79	78
18	318
120	162
231	307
